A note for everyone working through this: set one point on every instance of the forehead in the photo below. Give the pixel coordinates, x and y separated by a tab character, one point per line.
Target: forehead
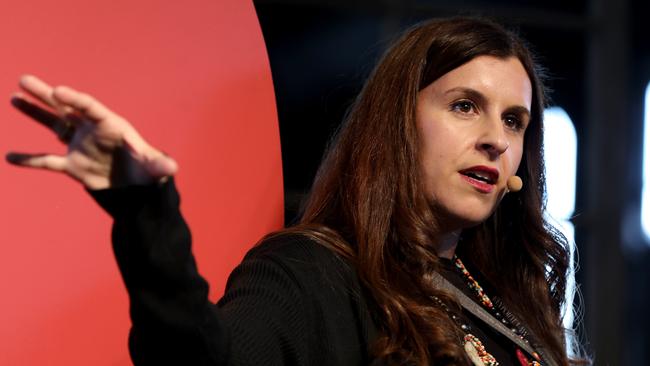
503	80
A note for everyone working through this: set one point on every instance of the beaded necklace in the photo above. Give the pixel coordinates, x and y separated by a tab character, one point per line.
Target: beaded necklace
472	345
499	311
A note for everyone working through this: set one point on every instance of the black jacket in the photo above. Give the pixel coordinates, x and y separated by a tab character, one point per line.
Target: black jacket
290	302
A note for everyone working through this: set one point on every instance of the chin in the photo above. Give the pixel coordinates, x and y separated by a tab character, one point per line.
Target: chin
468	222
461	218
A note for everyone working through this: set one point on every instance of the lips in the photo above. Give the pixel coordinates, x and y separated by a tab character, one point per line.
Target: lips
481	177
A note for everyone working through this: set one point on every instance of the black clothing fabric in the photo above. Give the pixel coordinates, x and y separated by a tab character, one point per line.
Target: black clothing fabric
290	302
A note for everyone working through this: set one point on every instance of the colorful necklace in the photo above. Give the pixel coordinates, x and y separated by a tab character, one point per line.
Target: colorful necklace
473	284
473	346
500	312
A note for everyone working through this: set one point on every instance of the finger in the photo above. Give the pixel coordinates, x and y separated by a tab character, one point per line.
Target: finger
41	115
156	163
38	89
39	161
162	166
84	103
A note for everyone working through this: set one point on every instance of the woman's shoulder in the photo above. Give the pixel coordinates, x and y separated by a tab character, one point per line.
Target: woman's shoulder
298	249
307	259
303	288
303	267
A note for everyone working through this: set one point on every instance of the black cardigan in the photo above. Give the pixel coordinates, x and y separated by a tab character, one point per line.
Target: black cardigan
290	302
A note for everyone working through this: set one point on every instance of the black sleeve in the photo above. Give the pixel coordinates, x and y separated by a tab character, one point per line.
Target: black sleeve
260	321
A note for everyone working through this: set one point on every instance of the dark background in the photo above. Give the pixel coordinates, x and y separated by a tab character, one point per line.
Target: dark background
599	61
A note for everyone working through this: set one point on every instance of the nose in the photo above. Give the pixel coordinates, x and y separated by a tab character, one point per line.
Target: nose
492	139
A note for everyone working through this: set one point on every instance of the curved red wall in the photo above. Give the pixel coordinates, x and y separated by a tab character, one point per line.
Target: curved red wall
195	80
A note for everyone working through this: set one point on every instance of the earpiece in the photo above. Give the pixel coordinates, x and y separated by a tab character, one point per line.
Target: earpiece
514	184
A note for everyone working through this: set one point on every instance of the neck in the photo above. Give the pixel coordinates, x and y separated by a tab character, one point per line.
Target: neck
447	243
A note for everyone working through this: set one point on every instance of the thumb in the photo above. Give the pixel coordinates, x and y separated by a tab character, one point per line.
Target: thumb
161	166
155	163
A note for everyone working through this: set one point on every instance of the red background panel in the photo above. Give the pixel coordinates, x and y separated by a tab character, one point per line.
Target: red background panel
195	80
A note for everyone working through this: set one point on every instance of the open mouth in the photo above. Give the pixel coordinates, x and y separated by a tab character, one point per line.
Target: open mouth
479	177
482	174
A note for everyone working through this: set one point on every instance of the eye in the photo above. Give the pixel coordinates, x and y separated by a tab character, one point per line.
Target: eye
514	123
463	106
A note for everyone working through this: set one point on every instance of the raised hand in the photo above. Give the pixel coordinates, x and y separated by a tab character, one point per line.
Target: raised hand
104	150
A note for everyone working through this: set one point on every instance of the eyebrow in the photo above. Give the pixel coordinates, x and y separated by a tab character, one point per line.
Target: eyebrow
474	94
482	99
519	110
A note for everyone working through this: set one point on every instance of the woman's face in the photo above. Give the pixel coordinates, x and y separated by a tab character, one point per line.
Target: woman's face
471	124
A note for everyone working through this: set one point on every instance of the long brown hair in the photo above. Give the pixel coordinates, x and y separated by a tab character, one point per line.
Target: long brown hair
368	204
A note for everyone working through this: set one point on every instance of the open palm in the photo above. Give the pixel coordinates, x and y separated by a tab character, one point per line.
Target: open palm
104	149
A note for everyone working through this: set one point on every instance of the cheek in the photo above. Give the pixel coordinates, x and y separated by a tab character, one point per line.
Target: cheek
515	159
435	154
437	139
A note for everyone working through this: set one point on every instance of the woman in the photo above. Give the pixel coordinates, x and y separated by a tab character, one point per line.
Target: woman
410	249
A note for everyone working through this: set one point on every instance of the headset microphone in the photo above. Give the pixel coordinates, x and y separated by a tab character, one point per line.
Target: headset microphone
514	184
